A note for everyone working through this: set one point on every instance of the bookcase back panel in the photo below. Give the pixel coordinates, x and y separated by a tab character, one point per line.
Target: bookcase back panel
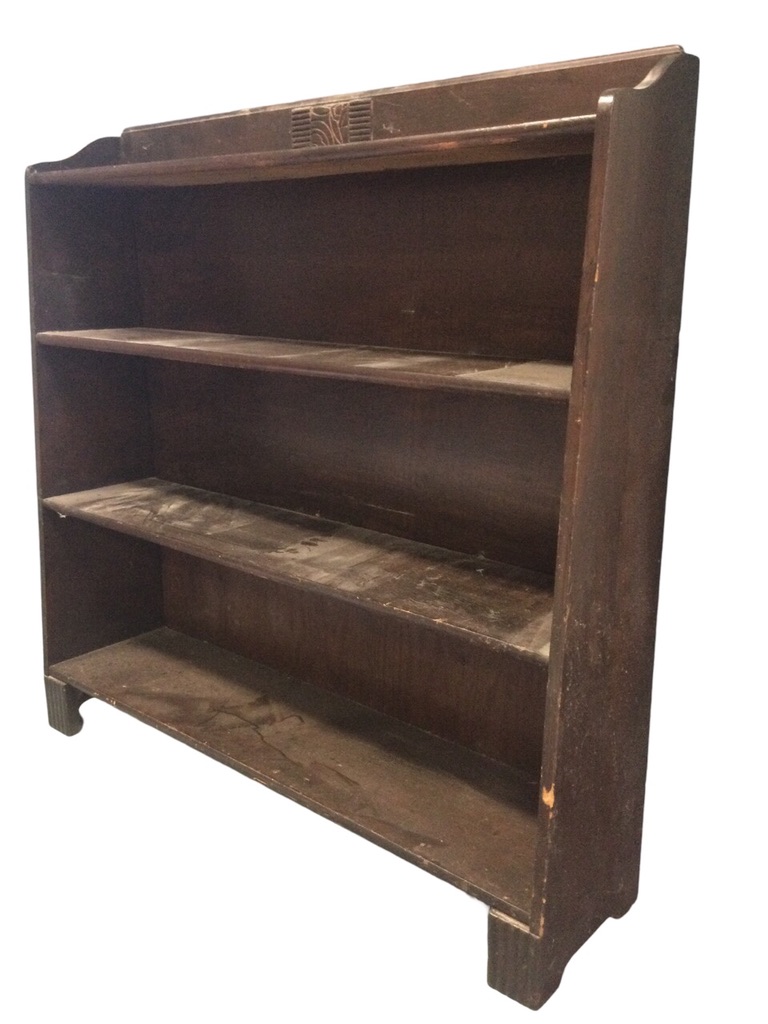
99	586
479	473
83	259
483	259
95	420
462	690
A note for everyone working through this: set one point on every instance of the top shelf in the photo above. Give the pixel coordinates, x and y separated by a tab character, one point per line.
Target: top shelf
539	379
560	136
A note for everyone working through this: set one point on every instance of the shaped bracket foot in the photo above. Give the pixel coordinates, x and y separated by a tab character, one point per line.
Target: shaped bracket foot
519	964
64	706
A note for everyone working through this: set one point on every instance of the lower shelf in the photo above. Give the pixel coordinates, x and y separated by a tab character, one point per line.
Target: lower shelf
464	817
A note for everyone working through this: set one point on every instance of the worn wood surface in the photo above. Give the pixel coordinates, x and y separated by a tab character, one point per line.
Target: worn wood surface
64	703
474	472
596	735
484	697
82	258
542	97
483	259
507	143
500	218
539	379
99	586
487	601
98	425
503	115
463	817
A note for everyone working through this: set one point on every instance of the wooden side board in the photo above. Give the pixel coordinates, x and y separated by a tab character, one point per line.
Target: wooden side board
598	703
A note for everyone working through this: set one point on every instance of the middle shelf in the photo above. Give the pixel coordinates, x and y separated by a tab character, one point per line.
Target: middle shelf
489	602
547	379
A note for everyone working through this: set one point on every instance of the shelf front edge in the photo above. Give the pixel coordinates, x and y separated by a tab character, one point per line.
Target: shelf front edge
540	379
568	136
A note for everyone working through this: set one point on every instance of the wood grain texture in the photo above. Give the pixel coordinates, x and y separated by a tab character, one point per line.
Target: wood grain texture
485	601
540	379
64	703
82	253
504	143
541	97
99	586
479	473
484	697
347	349
95	420
397	786
596	736
520	963
535	108
477	260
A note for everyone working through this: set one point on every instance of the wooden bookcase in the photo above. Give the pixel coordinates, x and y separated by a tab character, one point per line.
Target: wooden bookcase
353	429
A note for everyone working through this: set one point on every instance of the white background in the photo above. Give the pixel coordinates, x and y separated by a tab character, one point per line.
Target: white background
141	881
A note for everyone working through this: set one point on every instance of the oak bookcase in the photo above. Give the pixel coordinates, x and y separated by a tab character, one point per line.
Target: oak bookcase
353	429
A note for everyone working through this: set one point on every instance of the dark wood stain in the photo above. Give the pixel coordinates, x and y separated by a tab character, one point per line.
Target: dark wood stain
482	260
318	493
478	695
539	378
103	409
490	602
99	587
478	473
405	790
555	137
613	513
515	101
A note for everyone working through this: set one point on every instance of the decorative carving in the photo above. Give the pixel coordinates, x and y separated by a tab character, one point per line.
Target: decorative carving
331	124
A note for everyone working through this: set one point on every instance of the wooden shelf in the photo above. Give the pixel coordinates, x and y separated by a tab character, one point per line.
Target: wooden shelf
540	379
465	818
485	601
554	137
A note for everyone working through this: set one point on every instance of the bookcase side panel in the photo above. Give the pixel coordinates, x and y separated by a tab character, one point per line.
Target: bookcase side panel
610	542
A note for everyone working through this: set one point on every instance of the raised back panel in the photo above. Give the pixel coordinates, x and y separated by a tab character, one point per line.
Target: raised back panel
522	95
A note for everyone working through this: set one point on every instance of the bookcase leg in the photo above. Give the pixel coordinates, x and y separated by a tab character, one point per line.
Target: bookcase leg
64	706
518	964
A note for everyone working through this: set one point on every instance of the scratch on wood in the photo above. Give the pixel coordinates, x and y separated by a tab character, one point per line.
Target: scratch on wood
385	508
548	796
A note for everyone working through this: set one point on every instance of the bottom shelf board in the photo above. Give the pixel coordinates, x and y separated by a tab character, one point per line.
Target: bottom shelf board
464	817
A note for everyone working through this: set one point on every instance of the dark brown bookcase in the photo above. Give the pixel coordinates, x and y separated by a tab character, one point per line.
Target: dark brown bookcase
353	429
